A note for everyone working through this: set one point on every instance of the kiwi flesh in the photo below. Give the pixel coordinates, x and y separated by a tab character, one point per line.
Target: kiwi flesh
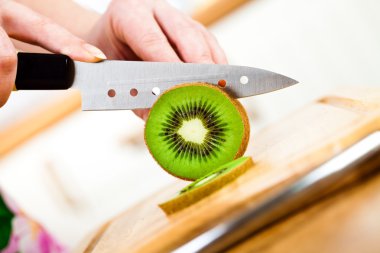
194	128
206	185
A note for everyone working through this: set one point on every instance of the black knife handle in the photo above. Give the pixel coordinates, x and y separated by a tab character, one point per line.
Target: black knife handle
44	71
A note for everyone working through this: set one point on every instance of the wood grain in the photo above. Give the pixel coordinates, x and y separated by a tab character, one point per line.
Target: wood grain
22	130
212	10
282	153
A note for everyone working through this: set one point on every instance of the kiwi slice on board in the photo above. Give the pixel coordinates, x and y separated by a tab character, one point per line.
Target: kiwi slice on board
194	128
207	185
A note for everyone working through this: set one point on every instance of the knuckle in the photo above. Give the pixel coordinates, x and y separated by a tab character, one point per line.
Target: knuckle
152	39
186	33
186	26
8	62
205	57
43	25
7	77
183	29
200	27
197	53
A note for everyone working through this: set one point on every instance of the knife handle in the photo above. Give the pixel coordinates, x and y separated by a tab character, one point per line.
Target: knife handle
44	72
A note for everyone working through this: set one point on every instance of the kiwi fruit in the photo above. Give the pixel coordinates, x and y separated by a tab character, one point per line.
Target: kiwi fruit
194	128
207	185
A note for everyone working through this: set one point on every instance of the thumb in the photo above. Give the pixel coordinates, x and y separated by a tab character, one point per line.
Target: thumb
8	66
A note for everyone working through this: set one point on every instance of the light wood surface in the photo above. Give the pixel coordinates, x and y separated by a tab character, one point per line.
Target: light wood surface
25	128
282	152
212	10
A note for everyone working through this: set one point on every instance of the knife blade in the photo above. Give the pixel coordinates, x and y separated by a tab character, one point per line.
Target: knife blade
120	85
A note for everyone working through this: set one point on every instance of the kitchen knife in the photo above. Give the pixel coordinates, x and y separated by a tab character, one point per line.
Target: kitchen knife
119	85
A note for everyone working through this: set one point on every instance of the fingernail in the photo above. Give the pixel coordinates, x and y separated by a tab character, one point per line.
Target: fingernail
94	51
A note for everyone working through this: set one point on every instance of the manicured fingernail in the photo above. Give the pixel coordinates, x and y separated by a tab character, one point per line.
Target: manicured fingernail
94	51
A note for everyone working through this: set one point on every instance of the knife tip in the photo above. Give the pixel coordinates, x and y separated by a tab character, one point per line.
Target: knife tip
290	82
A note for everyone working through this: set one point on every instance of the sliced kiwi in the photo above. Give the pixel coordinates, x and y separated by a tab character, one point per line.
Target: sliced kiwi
207	185
194	128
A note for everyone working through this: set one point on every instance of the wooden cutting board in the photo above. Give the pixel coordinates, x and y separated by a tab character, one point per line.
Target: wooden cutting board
282	152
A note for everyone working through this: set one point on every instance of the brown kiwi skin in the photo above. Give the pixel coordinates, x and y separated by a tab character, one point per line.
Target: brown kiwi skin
239	107
247	127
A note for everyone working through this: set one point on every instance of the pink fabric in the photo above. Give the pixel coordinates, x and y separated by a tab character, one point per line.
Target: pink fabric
28	236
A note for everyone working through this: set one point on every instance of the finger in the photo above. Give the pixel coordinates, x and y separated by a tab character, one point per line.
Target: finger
189	40
217	52
23	24
106	40
8	66
122	52
145	37
142	113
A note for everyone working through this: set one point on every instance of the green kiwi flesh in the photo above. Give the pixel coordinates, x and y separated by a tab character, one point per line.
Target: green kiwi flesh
206	185
194	128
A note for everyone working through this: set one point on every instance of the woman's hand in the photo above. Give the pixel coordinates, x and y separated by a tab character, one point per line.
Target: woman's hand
21	23
153	30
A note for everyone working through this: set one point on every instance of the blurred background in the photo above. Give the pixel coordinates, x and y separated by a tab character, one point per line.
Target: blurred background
89	166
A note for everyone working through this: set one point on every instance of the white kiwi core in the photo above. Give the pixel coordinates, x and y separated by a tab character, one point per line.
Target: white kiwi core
205	180
193	131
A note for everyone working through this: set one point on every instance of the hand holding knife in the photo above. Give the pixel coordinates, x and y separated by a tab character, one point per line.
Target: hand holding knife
120	85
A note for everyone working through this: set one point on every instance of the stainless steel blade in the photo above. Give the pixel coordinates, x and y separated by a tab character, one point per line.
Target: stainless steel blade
107	85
